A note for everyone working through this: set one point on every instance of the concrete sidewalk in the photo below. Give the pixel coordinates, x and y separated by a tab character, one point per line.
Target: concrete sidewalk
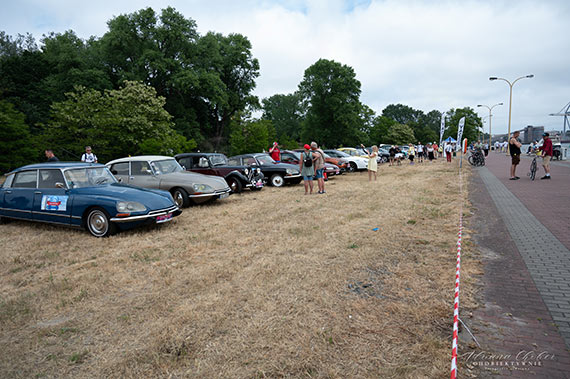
522	230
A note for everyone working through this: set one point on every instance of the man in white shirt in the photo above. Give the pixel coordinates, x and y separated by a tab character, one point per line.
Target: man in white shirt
88	157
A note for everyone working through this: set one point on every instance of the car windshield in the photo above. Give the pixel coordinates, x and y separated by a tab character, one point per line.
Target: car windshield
341	154
218	160
360	152
166	166
296	154
89	177
265	159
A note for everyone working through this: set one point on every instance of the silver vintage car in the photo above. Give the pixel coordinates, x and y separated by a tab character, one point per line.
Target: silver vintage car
161	172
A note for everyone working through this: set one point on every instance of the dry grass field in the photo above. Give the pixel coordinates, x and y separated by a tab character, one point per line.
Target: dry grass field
263	284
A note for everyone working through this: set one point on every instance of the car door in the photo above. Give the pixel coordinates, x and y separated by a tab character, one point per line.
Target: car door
202	165
19	197
52	202
121	171
142	175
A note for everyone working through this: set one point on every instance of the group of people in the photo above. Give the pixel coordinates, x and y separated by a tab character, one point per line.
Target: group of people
545	150
422	152
87	157
311	165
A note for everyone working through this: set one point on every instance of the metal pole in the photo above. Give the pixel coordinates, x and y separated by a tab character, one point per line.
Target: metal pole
490	115
510	106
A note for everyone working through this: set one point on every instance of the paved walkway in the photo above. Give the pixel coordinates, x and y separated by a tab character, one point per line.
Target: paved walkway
523	229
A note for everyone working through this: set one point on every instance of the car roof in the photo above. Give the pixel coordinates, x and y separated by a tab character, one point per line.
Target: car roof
57	165
181	155
141	158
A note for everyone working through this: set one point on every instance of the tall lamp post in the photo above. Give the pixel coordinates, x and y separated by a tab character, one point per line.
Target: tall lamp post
510	99
490	116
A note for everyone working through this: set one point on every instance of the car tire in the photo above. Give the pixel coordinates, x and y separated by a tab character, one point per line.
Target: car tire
277	180
234	184
98	223
180	197
352	167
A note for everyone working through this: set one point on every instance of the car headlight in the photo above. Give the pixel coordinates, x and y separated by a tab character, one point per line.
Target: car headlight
130	206
246	171
291	171
202	188
258	171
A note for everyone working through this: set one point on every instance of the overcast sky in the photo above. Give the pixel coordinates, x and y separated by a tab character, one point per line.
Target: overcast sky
425	54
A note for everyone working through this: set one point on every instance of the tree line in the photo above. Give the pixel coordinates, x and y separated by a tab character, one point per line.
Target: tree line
153	85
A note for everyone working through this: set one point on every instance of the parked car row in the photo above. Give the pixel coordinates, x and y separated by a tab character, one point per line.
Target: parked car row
151	189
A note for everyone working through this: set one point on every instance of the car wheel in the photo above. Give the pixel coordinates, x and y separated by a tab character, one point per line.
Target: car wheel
98	223
180	197
352	167
277	180
235	185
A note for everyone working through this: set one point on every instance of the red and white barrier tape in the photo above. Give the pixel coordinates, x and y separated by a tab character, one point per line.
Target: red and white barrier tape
456	303
457	274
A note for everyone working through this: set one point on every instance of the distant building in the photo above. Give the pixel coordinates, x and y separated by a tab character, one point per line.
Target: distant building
532	133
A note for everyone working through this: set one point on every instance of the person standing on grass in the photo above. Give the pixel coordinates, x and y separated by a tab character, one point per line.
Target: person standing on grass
420	152
430	151
515	150
448	151
372	163
547	152
411	153
88	157
50	156
307	169
319	162
392	153
275	153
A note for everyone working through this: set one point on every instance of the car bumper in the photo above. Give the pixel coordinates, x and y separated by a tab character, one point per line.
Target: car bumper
152	215
220	194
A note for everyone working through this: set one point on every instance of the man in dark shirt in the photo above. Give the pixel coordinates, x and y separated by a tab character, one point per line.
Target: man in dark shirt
515	150
546	149
50	156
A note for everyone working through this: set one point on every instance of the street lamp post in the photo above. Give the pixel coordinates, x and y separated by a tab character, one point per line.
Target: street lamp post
510	100
490	116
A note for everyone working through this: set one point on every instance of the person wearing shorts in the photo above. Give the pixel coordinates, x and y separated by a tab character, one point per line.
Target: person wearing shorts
515	150
319	163
307	172
547	152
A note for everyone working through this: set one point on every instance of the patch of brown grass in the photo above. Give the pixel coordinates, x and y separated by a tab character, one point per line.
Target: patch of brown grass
263	284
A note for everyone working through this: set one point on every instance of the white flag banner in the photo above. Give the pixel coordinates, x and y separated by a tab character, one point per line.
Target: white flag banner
442	129
460	131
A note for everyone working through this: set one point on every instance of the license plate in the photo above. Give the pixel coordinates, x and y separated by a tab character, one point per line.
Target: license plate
163	218
224	195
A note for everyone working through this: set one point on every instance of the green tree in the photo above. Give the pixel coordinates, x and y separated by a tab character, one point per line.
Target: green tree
131	120
16	144
379	131
250	136
400	134
473	123
286	113
330	94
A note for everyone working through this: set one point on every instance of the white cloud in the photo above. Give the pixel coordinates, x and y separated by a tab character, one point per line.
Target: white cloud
428	55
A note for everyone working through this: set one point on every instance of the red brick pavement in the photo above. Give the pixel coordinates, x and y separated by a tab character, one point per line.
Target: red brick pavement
513	318
547	200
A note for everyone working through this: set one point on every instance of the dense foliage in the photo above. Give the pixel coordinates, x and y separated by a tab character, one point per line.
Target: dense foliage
153	84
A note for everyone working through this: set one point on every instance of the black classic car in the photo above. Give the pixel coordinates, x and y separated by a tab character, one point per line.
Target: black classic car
277	173
238	177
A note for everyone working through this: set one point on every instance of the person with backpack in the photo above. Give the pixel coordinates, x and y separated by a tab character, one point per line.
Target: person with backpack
307	169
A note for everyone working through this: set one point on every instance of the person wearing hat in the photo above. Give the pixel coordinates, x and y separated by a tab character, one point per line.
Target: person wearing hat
546	149
275	152
307	169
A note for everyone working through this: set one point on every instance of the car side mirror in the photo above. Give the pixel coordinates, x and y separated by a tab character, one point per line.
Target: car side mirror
59	185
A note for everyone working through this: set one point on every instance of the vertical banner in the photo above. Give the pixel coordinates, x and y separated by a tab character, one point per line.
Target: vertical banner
460	132
442	129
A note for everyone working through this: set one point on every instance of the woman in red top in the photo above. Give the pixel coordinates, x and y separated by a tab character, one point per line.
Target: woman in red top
275	153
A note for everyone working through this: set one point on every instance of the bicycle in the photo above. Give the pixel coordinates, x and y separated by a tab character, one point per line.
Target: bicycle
476	158
533	168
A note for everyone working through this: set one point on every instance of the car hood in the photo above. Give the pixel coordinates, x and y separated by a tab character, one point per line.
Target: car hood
281	165
189	178
151	198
